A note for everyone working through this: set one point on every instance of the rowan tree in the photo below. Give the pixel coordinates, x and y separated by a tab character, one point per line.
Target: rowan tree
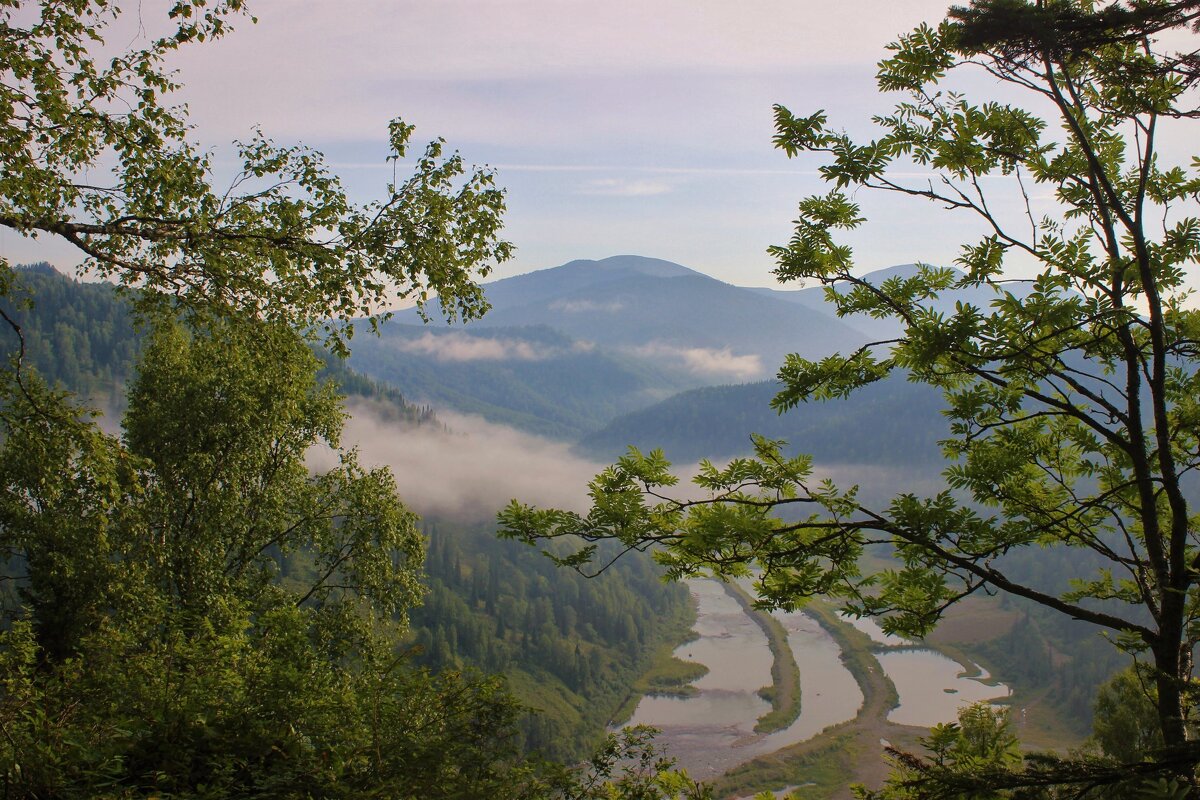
1071	394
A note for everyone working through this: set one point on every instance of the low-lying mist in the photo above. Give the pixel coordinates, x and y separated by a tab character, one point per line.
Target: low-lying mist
472	468
470	471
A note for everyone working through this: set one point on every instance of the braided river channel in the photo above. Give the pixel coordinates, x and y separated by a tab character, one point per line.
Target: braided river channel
712	731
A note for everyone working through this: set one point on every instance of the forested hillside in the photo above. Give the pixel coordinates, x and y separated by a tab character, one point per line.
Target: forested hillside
893	422
531	377
570	647
84	337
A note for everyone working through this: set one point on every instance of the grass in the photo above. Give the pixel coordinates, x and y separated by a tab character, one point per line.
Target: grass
666	675
671	676
816	774
857	653
784	692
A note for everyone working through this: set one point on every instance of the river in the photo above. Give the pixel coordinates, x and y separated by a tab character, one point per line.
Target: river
713	731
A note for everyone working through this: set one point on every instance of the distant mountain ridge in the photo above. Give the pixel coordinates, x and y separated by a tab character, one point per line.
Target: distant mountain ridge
648	327
581	351
638	302
892	422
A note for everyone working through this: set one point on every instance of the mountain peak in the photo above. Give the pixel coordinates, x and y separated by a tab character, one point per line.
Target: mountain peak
643	265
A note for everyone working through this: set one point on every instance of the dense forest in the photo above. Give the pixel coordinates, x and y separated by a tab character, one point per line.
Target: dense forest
893	423
85	337
570	647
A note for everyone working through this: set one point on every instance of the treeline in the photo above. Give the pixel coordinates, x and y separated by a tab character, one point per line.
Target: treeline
570	646
892	423
76	335
1047	651
83	337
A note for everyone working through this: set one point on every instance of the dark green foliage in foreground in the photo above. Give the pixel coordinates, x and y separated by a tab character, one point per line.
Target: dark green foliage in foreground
189	613
150	643
576	693
571	646
980	758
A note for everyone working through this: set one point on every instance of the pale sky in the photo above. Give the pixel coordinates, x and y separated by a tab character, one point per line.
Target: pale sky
617	127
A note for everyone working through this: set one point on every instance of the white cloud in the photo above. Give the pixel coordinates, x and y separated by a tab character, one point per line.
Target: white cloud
622	187
704	360
462	347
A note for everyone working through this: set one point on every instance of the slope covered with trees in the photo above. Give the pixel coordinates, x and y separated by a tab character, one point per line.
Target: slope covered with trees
1072	407
570	647
187	610
893	423
84	337
485	602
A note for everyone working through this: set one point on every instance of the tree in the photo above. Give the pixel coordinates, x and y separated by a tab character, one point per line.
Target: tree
1073	401
1126	722
191	611
283	241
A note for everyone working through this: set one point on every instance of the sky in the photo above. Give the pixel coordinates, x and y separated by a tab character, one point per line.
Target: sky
618	127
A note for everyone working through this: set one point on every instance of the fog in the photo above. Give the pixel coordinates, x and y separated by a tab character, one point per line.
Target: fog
475	468
469	472
705	361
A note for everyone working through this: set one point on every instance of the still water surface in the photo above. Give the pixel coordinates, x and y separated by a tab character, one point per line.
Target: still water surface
931	686
713	730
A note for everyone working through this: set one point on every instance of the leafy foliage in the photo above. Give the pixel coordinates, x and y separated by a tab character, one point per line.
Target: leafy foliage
571	647
186	610
1072	407
283	241
189	611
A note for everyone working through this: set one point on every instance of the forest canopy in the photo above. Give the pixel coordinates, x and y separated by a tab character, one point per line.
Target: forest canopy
188	610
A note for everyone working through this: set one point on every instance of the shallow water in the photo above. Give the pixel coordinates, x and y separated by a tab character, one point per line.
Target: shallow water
931	686
871	628
713	730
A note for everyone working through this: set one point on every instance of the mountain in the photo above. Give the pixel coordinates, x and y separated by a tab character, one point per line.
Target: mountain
813	299
565	350
531	377
890	423
666	314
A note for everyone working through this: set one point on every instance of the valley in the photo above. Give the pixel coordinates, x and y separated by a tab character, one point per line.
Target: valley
469	417
328	468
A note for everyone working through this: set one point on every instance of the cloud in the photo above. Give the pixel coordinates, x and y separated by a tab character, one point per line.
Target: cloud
472	471
579	306
704	360
623	187
463	347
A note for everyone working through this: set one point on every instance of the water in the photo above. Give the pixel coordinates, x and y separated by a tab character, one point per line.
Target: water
871	628
713	731
703	730
932	687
